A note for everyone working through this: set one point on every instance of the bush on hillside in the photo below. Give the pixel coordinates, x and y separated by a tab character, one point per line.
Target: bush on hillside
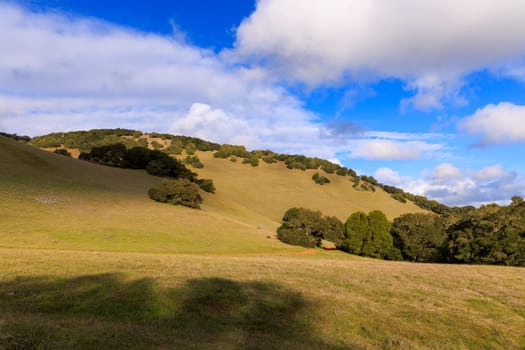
62	151
112	155
177	192
321	180
194	161
206	185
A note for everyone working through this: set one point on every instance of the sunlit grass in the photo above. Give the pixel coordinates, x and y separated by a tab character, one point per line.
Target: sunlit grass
86	299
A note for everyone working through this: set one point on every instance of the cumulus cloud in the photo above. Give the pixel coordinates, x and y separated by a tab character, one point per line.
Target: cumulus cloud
388	176
65	73
214	124
98	75
496	124
446	171
383	149
453	186
431	45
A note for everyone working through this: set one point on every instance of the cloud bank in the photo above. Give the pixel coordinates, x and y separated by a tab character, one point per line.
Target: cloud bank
453	186
496	124
431	45
76	73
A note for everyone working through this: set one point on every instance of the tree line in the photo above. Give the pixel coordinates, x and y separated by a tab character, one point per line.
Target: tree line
86	140
491	234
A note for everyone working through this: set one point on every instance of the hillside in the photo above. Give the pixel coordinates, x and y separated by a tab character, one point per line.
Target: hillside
53	201
88	261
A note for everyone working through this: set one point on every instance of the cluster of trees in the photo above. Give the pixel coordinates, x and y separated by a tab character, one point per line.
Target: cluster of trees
491	234
308	228
20	138
156	163
362	234
292	161
177	192
86	140
187	142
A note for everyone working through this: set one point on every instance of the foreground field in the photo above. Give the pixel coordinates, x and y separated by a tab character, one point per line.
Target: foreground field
93	300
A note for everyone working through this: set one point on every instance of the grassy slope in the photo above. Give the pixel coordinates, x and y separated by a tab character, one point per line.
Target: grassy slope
51	201
270	189
54	201
229	293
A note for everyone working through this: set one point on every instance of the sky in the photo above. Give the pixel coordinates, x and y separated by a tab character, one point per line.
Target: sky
428	96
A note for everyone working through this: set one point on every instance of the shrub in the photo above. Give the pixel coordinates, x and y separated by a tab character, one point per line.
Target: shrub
206	185
194	161
190	148
156	145
269	159
62	151
321	180
177	192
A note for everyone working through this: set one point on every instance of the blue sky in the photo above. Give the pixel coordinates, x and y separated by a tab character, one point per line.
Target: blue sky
427	96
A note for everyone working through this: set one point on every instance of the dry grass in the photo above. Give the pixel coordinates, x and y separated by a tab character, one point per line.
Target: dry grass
322	301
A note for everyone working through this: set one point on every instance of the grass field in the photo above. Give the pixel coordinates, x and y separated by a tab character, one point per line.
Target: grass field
87	261
92	300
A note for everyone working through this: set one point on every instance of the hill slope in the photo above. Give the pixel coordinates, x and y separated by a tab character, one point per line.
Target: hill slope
51	201
76	269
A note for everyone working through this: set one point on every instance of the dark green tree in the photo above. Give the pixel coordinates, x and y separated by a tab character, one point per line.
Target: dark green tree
177	192
420	237
379	242
308	228
357	231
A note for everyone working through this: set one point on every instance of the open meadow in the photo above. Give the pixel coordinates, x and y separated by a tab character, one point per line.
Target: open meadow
88	261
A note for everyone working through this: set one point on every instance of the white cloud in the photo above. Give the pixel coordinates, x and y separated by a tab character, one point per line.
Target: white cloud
382	149
215	125
431	44
453	186
497	124
388	176
98	75
64	73
490	173
446	171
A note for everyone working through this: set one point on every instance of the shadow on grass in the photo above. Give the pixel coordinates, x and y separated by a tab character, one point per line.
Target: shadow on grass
109	312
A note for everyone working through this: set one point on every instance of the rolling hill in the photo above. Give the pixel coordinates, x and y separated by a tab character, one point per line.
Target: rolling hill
88	261
58	202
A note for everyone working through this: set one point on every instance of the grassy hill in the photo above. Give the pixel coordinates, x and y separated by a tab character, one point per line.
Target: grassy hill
88	261
53	201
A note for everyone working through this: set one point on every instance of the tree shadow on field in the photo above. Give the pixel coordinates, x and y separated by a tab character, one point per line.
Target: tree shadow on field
107	311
